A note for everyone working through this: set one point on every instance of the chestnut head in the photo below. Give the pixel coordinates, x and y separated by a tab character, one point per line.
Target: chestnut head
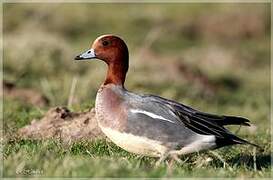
109	48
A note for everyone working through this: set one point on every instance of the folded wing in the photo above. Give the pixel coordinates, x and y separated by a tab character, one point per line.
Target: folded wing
204	123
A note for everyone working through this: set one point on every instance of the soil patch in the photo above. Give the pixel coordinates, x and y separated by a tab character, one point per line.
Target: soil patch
61	123
27	95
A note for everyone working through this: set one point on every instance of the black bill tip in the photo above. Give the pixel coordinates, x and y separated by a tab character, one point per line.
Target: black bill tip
78	57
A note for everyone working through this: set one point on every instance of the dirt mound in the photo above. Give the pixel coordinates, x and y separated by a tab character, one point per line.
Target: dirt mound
25	94
61	123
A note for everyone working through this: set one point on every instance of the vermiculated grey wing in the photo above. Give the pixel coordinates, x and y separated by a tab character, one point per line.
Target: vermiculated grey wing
168	133
203	123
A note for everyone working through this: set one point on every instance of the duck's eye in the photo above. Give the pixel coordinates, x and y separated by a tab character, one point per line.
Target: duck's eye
88	52
105	43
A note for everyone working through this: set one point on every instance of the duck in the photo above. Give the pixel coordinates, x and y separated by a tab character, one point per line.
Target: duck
150	125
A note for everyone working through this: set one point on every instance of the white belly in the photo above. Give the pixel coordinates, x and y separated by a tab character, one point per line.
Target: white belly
135	144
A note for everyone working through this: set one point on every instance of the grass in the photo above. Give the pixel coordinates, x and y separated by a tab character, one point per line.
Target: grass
234	61
104	159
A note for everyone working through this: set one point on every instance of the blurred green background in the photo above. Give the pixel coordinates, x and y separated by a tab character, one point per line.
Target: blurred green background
214	57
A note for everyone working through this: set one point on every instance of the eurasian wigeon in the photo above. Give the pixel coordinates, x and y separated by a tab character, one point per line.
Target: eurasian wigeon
147	124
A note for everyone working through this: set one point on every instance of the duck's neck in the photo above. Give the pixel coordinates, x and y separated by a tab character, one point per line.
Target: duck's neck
116	73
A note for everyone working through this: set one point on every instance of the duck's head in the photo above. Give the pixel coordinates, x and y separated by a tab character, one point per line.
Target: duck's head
112	50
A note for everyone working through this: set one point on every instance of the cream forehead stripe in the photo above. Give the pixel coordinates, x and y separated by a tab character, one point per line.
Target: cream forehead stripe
152	115
100	37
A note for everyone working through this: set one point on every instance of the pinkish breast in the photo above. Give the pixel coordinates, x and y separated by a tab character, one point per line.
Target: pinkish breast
110	107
